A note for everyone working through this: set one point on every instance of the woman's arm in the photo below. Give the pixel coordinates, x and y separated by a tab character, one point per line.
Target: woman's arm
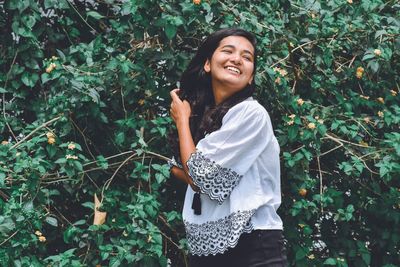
182	175
180	113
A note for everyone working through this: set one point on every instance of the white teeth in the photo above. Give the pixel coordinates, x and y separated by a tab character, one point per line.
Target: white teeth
234	69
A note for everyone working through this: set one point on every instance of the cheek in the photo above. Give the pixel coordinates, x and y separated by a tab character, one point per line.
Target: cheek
250	68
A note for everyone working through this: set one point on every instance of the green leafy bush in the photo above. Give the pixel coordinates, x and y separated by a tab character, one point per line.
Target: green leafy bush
84	94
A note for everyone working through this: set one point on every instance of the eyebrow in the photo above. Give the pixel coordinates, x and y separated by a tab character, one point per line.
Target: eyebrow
233	47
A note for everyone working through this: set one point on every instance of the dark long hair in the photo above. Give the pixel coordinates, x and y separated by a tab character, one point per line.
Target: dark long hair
195	87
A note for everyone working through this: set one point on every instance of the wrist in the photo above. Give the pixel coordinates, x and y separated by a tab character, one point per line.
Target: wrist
182	123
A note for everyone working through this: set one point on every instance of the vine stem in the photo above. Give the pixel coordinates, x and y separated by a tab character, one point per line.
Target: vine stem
4	98
8	238
34	131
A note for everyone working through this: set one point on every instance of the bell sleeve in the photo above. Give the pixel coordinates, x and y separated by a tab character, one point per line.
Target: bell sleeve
222	157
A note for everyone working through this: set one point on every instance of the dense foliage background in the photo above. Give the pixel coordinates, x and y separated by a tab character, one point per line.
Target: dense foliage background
84	94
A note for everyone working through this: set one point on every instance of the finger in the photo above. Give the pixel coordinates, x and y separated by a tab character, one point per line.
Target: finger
174	95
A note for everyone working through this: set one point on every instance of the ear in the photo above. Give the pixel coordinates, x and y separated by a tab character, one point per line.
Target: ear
207	66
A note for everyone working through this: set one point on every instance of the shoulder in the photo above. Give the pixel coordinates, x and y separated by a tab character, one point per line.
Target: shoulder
248	109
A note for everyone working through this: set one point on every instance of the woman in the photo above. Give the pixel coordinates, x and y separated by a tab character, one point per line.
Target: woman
230	156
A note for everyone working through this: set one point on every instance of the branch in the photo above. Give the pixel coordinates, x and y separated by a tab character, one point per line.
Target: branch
34	131
4	98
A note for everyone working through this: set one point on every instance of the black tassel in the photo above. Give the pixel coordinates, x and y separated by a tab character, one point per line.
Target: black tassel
196	204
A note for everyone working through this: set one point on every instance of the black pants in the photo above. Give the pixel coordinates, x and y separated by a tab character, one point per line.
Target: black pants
260	248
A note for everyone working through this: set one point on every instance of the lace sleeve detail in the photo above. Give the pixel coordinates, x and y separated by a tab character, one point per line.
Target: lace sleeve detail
173	162
212	179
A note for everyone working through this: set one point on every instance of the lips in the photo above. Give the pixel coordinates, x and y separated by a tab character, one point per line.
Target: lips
233	69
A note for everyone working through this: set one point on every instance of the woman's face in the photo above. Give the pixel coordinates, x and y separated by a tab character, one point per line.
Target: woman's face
232	64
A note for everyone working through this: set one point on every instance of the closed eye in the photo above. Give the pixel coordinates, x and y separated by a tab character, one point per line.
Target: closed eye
227	51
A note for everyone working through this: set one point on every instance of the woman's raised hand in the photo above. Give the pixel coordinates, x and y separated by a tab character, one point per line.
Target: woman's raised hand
180	110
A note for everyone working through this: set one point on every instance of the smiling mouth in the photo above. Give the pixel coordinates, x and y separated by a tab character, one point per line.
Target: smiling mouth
233	69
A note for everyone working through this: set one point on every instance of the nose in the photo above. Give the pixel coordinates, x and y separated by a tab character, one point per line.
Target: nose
236	58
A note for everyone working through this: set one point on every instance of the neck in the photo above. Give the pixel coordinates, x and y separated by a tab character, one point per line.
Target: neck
220	93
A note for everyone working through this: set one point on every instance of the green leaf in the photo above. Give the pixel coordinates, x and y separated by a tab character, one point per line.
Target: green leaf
29	79
2	178
373	65
51	150
52	221
330	261
94	15
170	30
160	178
61	161
368	56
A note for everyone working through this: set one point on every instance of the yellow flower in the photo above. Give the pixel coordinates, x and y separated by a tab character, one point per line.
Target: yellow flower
51	140
311	256
381	100
393	92
311	126
350	1
380	114
4	143
300	101
278	80
196	2
301	225
42	238
292	116
367	119
141	102
38	233
290	122
360	72
49	134
51	67
365	97
281	71
71	146
377	52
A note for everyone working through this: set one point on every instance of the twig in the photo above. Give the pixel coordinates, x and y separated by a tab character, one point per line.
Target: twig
108	182
157	155
84	137
123	103
62	215
291	152
330	150
320	184
34	131
8	238
339	141
294	49
110	157
344	141
4	98
73	7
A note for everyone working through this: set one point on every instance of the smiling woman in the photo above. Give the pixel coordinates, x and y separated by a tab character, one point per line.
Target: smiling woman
230	158
231	67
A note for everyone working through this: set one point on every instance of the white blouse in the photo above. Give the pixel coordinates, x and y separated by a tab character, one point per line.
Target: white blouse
237	170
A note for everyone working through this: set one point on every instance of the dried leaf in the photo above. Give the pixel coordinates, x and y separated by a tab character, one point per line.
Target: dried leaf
99	217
